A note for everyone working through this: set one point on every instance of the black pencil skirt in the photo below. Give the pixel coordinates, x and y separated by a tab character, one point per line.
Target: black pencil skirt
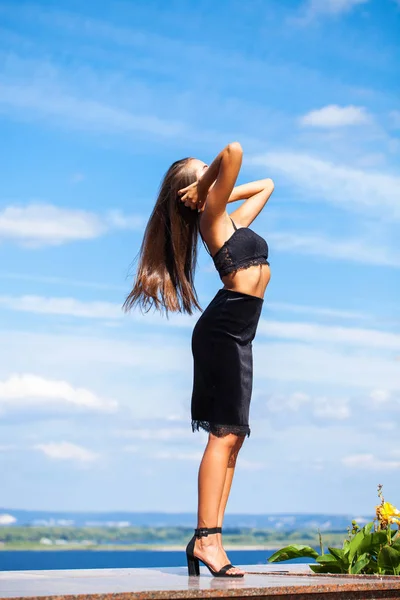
223	363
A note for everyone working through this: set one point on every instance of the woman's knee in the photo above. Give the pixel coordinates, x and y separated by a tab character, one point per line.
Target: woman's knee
231	441
236	448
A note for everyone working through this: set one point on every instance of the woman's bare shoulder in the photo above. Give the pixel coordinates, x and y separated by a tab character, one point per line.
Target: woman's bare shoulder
215	230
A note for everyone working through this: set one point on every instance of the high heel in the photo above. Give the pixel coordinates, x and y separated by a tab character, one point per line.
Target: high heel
193	561
193	565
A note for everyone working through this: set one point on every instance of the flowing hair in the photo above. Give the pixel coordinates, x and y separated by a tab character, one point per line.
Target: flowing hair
168	252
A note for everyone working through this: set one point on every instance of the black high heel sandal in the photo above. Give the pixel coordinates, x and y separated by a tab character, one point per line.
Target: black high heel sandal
193	561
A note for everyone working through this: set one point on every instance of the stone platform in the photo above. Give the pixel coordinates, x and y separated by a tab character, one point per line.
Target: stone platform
269	582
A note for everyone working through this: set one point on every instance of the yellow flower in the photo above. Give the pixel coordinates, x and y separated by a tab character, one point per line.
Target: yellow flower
387	513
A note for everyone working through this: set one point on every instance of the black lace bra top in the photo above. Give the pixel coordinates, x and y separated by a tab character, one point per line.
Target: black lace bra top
243	249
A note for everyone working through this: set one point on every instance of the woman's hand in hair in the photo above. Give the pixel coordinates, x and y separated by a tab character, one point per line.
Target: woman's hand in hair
191	197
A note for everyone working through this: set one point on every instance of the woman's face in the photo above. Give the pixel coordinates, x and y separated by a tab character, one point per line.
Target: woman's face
199	167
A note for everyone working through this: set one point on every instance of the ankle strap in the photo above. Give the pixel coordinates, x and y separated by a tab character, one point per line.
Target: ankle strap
205	531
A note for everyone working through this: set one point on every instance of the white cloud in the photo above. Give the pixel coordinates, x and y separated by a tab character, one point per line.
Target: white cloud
346	187
319	364
332	409
42	99
161	435
67	451
158	55
63	281
316	8
318	311
386	426
62	306
395	114
292	330
313	332
250	465
333	116
132	448
379	397
28	391
384	400
6	519
145	350
110	310
165	455
292	402
148	360
370	463
38	225
44	224
91	310
282	409
140	372
116	219
351	250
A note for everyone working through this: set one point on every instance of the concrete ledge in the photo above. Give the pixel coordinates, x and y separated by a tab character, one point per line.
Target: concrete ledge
269	582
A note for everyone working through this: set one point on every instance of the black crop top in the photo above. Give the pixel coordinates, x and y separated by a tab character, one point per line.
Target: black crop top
243	249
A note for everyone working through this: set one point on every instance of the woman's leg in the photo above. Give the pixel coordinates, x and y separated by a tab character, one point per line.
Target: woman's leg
227	486
228	479
211	482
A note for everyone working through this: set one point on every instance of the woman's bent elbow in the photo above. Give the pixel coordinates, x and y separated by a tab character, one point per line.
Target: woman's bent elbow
234	148
270	184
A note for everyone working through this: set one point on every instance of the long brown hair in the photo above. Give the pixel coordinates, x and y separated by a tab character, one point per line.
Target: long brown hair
168	252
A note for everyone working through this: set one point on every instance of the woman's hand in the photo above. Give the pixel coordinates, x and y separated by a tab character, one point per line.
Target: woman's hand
191	197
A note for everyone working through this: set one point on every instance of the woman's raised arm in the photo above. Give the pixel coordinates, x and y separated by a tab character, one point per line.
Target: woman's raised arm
216	183
224	171
256	194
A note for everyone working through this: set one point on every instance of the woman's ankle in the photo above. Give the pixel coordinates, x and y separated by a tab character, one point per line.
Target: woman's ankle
208	541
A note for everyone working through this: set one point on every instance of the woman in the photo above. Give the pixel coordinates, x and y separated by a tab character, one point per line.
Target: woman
192	199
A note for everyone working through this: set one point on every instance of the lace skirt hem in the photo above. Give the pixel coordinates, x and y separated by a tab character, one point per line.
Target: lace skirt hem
220	430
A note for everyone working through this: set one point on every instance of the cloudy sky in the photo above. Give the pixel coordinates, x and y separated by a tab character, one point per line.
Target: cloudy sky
96	100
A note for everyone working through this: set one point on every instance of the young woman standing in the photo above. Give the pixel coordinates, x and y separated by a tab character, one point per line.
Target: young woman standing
193	199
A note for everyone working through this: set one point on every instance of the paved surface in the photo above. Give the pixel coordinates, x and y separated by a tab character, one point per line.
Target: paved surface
260	581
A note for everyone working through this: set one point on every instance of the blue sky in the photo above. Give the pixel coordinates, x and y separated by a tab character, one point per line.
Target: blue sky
96	100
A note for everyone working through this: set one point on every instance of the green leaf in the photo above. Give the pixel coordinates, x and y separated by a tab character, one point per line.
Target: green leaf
360	564
316	568
372	542
341	557
389	560
346	545
371	567
354	545
333	567
293	551
396	545
367	528
338	553
325	558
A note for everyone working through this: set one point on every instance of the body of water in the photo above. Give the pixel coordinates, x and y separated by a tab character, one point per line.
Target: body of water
26	560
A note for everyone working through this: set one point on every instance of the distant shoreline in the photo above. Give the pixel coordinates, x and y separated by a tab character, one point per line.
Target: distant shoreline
152	548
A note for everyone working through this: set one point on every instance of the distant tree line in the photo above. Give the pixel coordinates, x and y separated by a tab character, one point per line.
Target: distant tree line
153	535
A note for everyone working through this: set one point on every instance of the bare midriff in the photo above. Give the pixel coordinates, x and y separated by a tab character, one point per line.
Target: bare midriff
252	280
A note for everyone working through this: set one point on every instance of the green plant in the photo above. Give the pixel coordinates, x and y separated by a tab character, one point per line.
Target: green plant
373	549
